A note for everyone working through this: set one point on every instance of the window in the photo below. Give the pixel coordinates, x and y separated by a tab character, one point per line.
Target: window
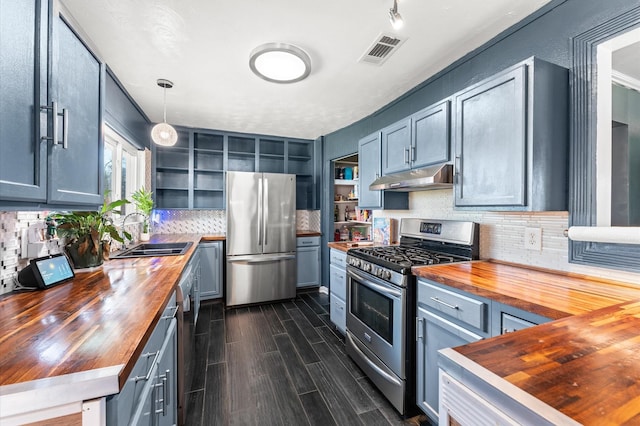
124	168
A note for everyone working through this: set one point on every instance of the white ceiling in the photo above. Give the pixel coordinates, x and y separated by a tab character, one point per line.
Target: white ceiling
203	46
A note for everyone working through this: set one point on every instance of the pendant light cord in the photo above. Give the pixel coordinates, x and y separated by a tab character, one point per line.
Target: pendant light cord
164	102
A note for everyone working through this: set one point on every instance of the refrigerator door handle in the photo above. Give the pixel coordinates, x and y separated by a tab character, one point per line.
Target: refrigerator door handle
260	259
260	218
266	209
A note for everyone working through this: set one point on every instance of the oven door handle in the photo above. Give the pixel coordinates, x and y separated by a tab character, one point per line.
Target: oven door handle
368	283
388	377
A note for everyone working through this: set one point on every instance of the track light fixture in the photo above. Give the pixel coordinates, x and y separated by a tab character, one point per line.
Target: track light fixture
163	133
395	17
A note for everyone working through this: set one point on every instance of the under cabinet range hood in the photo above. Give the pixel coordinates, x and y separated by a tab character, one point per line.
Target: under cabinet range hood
439	176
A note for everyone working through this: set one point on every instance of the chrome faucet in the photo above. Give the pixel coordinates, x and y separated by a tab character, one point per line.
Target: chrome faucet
124	221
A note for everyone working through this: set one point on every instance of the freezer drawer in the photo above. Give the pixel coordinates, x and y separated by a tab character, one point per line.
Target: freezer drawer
260	278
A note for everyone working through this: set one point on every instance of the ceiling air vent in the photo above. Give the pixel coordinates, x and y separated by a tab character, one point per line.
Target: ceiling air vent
381	49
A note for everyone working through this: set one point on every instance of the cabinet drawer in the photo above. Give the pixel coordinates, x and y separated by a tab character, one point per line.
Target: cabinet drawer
466	309
338	282
338	258
307	241
511	324
338	311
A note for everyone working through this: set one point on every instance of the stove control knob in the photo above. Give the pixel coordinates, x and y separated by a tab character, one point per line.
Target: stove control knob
387	275
367	267
357	262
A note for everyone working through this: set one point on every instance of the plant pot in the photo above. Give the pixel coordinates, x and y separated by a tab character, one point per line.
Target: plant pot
83	256
144	236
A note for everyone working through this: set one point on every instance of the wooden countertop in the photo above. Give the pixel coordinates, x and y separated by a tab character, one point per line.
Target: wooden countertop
585	365
214	237
307	233
100	319
346	245
550	294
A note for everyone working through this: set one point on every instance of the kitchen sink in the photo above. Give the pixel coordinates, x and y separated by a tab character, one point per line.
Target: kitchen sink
154	249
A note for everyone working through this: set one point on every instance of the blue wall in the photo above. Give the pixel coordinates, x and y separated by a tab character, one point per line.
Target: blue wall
546	34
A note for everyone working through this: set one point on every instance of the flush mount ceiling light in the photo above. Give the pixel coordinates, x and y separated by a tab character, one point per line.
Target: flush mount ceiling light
163	133
280	63
395	17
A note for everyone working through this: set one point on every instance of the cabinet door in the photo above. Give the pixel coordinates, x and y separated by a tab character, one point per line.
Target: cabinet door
491	142
396	143
23	84
308	259
75	170
432	334
166	403
430	136
210	270
369	169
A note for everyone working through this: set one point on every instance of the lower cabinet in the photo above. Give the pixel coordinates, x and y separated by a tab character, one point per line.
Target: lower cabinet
445	319
149	395
338	289
211	258
308	261
158	406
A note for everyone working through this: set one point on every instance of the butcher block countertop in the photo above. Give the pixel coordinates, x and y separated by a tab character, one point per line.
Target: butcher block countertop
585	365
81	338
551	294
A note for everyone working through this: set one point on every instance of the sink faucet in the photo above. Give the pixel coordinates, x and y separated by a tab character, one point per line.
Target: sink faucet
124	221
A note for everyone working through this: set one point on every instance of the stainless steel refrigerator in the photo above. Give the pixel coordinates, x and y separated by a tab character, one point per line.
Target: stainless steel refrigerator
261	237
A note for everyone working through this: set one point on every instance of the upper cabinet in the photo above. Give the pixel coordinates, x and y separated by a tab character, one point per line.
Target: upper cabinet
51	137
191	174
417	141
511	140
369	169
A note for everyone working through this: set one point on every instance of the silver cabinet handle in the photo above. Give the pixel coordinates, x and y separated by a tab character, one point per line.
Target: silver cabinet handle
418	328
457	172
148	375
171	316
435	299
406	155
413	153
54	127
65	128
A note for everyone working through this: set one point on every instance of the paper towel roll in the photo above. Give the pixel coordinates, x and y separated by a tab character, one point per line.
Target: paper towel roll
606	234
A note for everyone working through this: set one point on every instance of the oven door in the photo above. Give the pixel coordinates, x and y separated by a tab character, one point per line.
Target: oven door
375	316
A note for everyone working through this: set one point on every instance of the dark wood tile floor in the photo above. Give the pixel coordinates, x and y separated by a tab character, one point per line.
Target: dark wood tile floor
280	364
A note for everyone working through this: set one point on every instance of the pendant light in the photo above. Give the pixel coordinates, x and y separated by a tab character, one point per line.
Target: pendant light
163	133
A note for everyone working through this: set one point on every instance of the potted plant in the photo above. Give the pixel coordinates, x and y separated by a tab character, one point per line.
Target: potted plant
144	203
89	233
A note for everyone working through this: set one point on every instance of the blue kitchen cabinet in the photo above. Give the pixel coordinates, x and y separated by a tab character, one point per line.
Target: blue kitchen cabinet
338	289
417	141
23	87
67	108
430	135
308	261
211	263
446	318
396	147
369	166
511	140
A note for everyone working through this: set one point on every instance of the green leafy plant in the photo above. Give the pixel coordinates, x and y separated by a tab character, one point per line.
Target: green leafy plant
89	230
144	203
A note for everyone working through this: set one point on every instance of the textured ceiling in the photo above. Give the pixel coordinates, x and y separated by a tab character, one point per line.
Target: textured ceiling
203	46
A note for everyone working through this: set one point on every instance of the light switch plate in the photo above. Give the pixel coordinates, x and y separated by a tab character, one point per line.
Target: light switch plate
533	239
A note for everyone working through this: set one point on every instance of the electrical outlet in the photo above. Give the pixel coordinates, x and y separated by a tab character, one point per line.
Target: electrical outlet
533	238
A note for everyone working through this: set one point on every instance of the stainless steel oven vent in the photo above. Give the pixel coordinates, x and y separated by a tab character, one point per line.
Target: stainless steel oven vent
381	49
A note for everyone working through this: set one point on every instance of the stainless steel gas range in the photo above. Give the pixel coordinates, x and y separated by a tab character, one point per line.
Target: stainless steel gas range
381	300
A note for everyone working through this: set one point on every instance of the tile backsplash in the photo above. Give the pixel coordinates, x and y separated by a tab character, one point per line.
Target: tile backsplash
502	233
14	225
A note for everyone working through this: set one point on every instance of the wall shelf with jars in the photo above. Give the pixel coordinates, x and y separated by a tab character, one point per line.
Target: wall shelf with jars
349	222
